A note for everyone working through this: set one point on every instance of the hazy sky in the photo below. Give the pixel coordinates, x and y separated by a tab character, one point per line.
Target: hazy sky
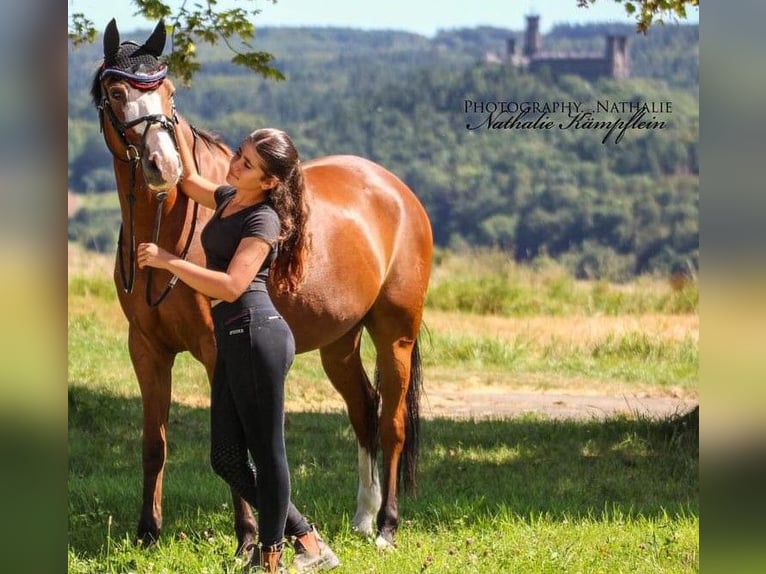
421	16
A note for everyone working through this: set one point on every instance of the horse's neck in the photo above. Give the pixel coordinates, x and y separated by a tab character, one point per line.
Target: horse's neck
139	204
212	159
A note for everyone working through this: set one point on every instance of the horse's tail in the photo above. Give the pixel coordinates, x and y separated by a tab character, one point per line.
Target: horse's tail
408	467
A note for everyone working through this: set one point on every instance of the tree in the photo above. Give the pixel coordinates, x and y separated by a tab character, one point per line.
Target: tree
202	22
647	12
205	22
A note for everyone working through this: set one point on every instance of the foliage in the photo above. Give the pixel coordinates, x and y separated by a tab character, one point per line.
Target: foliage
649	12
190	25
96	224
610	211
209	23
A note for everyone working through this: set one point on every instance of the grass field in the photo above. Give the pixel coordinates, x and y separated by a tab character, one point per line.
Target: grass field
522	494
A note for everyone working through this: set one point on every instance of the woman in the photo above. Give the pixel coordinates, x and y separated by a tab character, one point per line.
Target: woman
258	229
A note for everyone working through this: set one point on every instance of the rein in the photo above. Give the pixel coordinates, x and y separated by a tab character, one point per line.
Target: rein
132	157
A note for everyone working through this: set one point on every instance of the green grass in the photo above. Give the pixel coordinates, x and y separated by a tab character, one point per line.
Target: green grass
525	494
490	282
629	358
98	356
101	288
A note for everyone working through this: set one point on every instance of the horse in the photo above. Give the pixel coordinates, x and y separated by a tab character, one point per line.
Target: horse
368	268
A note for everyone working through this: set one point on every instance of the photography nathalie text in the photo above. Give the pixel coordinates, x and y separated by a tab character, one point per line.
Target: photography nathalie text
611	117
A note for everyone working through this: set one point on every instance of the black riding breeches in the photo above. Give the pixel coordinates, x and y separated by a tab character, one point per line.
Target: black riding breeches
255	351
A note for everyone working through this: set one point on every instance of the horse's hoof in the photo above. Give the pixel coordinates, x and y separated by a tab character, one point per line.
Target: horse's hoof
244	556
146	539
364	529
382	543
147	533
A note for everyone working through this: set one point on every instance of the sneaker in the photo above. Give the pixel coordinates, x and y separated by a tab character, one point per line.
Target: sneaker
313	561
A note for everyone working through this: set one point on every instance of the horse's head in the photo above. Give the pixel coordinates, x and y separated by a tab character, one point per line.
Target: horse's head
136	109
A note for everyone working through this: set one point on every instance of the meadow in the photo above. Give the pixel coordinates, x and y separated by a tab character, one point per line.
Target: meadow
527	493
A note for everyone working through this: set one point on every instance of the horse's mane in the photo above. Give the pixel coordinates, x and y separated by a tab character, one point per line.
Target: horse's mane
211	139
95	89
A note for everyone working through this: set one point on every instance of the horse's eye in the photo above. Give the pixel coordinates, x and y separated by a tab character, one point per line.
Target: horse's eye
116	94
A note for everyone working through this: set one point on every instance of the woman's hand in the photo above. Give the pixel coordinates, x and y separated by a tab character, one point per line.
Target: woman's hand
149	255
228	285
184	151
192	183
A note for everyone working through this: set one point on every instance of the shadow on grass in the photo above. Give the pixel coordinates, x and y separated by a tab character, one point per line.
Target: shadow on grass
469	471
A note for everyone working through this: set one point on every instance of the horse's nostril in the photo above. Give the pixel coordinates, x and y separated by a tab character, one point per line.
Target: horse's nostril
151	167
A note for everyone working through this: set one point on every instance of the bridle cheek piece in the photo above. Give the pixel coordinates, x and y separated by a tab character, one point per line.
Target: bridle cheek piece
133	156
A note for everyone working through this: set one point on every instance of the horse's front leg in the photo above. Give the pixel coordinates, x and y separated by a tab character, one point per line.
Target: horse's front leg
245	527
153	369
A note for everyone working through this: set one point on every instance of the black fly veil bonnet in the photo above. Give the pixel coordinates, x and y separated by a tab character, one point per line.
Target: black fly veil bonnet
138	64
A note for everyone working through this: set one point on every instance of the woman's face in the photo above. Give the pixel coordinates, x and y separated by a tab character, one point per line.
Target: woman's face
246	171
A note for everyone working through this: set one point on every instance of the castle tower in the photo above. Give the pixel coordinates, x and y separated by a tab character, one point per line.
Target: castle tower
510	49
617	56
532	38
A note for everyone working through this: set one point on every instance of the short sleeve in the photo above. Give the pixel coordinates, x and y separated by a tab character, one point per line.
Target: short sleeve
223	193
262	223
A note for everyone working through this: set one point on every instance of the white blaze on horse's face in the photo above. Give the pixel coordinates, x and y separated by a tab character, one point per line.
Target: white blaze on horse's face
160	159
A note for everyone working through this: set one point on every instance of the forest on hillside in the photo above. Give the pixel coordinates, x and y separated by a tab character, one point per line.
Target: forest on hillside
605	209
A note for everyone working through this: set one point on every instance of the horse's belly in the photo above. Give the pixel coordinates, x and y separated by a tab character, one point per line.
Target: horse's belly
319	318
344	273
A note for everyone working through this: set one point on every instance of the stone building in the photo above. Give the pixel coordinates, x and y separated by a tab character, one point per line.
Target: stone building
614	62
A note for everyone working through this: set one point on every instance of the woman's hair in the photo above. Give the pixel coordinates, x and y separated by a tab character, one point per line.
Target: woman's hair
280	159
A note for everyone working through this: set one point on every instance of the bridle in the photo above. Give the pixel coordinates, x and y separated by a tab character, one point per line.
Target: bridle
132	157
132	153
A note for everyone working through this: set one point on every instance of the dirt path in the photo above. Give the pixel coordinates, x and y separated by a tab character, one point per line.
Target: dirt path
556	405
474	395
474	400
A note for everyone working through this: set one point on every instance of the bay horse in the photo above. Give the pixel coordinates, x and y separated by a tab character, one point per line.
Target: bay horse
368	268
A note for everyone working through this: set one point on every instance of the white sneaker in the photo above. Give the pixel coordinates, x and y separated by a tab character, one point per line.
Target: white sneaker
306	561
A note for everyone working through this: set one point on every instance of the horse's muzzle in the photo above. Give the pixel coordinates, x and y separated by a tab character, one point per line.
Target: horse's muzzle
159	173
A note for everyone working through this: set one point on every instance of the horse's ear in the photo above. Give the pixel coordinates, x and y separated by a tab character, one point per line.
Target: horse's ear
111	40
155	44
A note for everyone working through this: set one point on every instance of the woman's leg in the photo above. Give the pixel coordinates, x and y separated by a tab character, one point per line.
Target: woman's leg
228	448
228	451
257	388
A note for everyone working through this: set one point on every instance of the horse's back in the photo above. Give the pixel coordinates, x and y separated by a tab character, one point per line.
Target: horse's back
364	194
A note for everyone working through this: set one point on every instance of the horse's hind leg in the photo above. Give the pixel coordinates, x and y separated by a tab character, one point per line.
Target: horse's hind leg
394	332
153	368
343	364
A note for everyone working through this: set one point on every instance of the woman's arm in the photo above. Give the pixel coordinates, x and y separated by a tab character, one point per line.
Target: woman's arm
197	187
228	285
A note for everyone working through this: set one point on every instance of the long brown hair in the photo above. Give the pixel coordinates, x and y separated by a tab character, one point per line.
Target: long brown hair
281	160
